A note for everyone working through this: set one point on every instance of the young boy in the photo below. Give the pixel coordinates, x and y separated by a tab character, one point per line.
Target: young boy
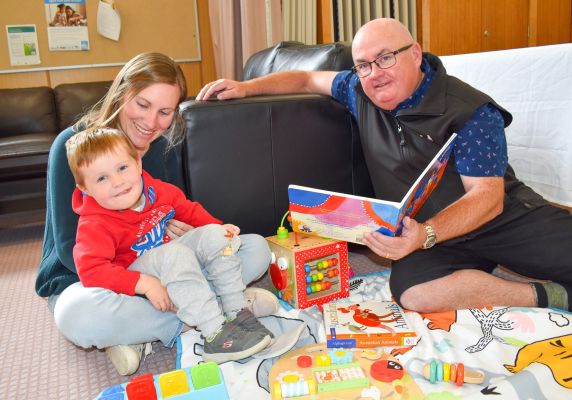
119	246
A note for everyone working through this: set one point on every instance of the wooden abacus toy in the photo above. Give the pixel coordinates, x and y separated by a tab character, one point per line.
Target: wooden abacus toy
308	270
437	371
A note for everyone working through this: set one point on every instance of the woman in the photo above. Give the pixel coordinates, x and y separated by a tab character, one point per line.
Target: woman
74	18
142	102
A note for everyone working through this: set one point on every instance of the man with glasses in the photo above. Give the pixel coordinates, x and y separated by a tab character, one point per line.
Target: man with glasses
480	215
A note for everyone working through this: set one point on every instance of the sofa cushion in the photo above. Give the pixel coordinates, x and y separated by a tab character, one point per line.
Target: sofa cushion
28	110
25	145
289	56
74	99
28	127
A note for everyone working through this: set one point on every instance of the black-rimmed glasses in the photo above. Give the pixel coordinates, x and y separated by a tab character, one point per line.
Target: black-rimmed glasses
384	61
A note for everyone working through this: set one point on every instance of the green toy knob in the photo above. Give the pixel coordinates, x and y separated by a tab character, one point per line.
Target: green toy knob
282	233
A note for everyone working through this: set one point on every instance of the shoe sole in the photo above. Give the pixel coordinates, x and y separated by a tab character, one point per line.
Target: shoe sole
220	358
125	362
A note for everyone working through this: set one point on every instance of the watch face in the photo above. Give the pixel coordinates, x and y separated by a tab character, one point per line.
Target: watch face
431	237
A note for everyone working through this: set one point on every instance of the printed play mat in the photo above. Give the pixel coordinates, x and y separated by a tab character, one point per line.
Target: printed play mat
518	353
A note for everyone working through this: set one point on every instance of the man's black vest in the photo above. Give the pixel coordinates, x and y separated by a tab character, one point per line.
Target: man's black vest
398	148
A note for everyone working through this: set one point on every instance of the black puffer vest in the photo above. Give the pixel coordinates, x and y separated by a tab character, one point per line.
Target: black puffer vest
398	148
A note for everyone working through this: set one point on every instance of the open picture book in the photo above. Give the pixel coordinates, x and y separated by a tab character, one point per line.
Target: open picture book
366	324
347	217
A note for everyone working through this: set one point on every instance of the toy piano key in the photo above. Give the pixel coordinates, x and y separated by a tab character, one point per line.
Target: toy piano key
436	371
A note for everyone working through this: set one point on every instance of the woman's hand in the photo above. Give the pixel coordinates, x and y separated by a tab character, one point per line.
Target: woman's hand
177	228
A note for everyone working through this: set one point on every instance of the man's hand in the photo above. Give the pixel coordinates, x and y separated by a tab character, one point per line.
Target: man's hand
394	248
222	89
155	292
232	229
177	228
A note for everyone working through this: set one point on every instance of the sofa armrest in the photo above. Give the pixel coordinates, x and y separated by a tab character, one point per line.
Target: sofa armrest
241	155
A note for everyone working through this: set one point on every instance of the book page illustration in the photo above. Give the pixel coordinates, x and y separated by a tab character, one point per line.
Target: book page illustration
348	217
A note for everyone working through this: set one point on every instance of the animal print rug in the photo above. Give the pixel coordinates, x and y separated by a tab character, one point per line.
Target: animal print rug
524	353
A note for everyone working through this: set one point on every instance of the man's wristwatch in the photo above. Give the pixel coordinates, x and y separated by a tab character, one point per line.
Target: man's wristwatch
431	237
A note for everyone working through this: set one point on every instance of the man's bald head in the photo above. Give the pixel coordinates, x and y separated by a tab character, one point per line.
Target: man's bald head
388	28
391	85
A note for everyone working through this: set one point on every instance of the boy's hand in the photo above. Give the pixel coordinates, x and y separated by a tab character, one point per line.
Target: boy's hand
232	229
177	228
155	292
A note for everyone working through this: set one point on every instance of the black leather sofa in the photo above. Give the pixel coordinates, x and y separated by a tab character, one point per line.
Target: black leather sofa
239	156
30	119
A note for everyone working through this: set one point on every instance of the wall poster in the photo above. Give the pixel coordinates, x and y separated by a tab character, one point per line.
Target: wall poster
67	25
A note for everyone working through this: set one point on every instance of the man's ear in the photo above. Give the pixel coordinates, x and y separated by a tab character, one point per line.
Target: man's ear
417	53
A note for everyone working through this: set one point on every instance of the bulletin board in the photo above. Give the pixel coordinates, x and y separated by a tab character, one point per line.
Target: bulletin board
166	26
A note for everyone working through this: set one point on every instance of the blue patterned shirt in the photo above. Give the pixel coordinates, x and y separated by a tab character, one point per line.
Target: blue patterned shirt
480	148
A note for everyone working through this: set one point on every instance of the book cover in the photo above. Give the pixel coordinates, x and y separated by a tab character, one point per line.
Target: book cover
367	324
347	217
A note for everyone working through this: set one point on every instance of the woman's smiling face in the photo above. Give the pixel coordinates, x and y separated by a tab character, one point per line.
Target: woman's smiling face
146	116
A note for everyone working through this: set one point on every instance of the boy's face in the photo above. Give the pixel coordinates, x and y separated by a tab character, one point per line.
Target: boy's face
113	179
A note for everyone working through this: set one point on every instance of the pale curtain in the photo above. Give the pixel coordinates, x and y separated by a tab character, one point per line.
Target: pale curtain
239	29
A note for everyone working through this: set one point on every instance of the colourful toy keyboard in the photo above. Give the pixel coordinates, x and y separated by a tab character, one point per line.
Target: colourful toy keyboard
201	382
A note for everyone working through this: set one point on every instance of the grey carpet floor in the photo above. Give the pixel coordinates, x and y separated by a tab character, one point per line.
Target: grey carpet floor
36	362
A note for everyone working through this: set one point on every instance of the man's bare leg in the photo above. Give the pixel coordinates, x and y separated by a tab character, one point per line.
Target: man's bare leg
467	289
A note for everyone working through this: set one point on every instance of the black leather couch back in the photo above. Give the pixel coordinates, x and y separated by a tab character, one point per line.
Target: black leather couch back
241	155
74	99
289	56
30	110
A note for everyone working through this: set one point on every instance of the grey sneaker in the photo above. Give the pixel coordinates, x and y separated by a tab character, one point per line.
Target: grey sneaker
126	358
247	320
261	302
232	342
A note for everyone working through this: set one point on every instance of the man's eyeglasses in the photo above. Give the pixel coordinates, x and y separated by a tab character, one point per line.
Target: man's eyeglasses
386	60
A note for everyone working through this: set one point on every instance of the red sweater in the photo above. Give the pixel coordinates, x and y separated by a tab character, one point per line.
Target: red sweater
108	241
